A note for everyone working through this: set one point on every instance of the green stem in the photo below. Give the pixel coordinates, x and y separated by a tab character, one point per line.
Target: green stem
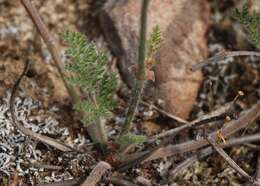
140	76
97	131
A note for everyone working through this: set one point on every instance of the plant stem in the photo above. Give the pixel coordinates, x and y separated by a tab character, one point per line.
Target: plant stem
97	133
140	76
51	45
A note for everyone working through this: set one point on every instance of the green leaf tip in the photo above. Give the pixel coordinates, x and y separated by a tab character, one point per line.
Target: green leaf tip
154	41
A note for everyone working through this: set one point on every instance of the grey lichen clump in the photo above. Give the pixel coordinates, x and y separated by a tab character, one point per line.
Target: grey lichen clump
17	151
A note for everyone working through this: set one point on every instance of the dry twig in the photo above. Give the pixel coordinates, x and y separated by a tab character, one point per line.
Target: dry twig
216	115
222	56
176	118
207	151
62	183
229	160
230	128
171	150
38	137
43	166
96	174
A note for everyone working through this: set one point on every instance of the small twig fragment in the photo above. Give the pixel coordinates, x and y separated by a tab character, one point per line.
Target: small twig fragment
44	166
62	183
216	115
96	174
228	159
176	118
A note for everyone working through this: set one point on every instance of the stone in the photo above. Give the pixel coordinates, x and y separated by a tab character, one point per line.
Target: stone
183	24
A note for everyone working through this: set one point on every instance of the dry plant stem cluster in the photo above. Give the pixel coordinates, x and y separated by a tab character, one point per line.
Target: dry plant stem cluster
171	150
140	76
219	114
222	56
229	129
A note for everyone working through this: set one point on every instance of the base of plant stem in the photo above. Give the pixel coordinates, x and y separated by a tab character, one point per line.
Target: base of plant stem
97	132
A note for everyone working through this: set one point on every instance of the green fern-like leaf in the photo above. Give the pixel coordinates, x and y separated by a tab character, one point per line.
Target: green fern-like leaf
129	139
154	41
94	112
251	22
88	66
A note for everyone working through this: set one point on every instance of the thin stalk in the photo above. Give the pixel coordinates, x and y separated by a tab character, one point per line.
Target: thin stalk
51	45
97	133
140	76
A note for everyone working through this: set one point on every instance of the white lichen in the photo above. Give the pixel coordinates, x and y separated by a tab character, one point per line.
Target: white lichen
16	150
